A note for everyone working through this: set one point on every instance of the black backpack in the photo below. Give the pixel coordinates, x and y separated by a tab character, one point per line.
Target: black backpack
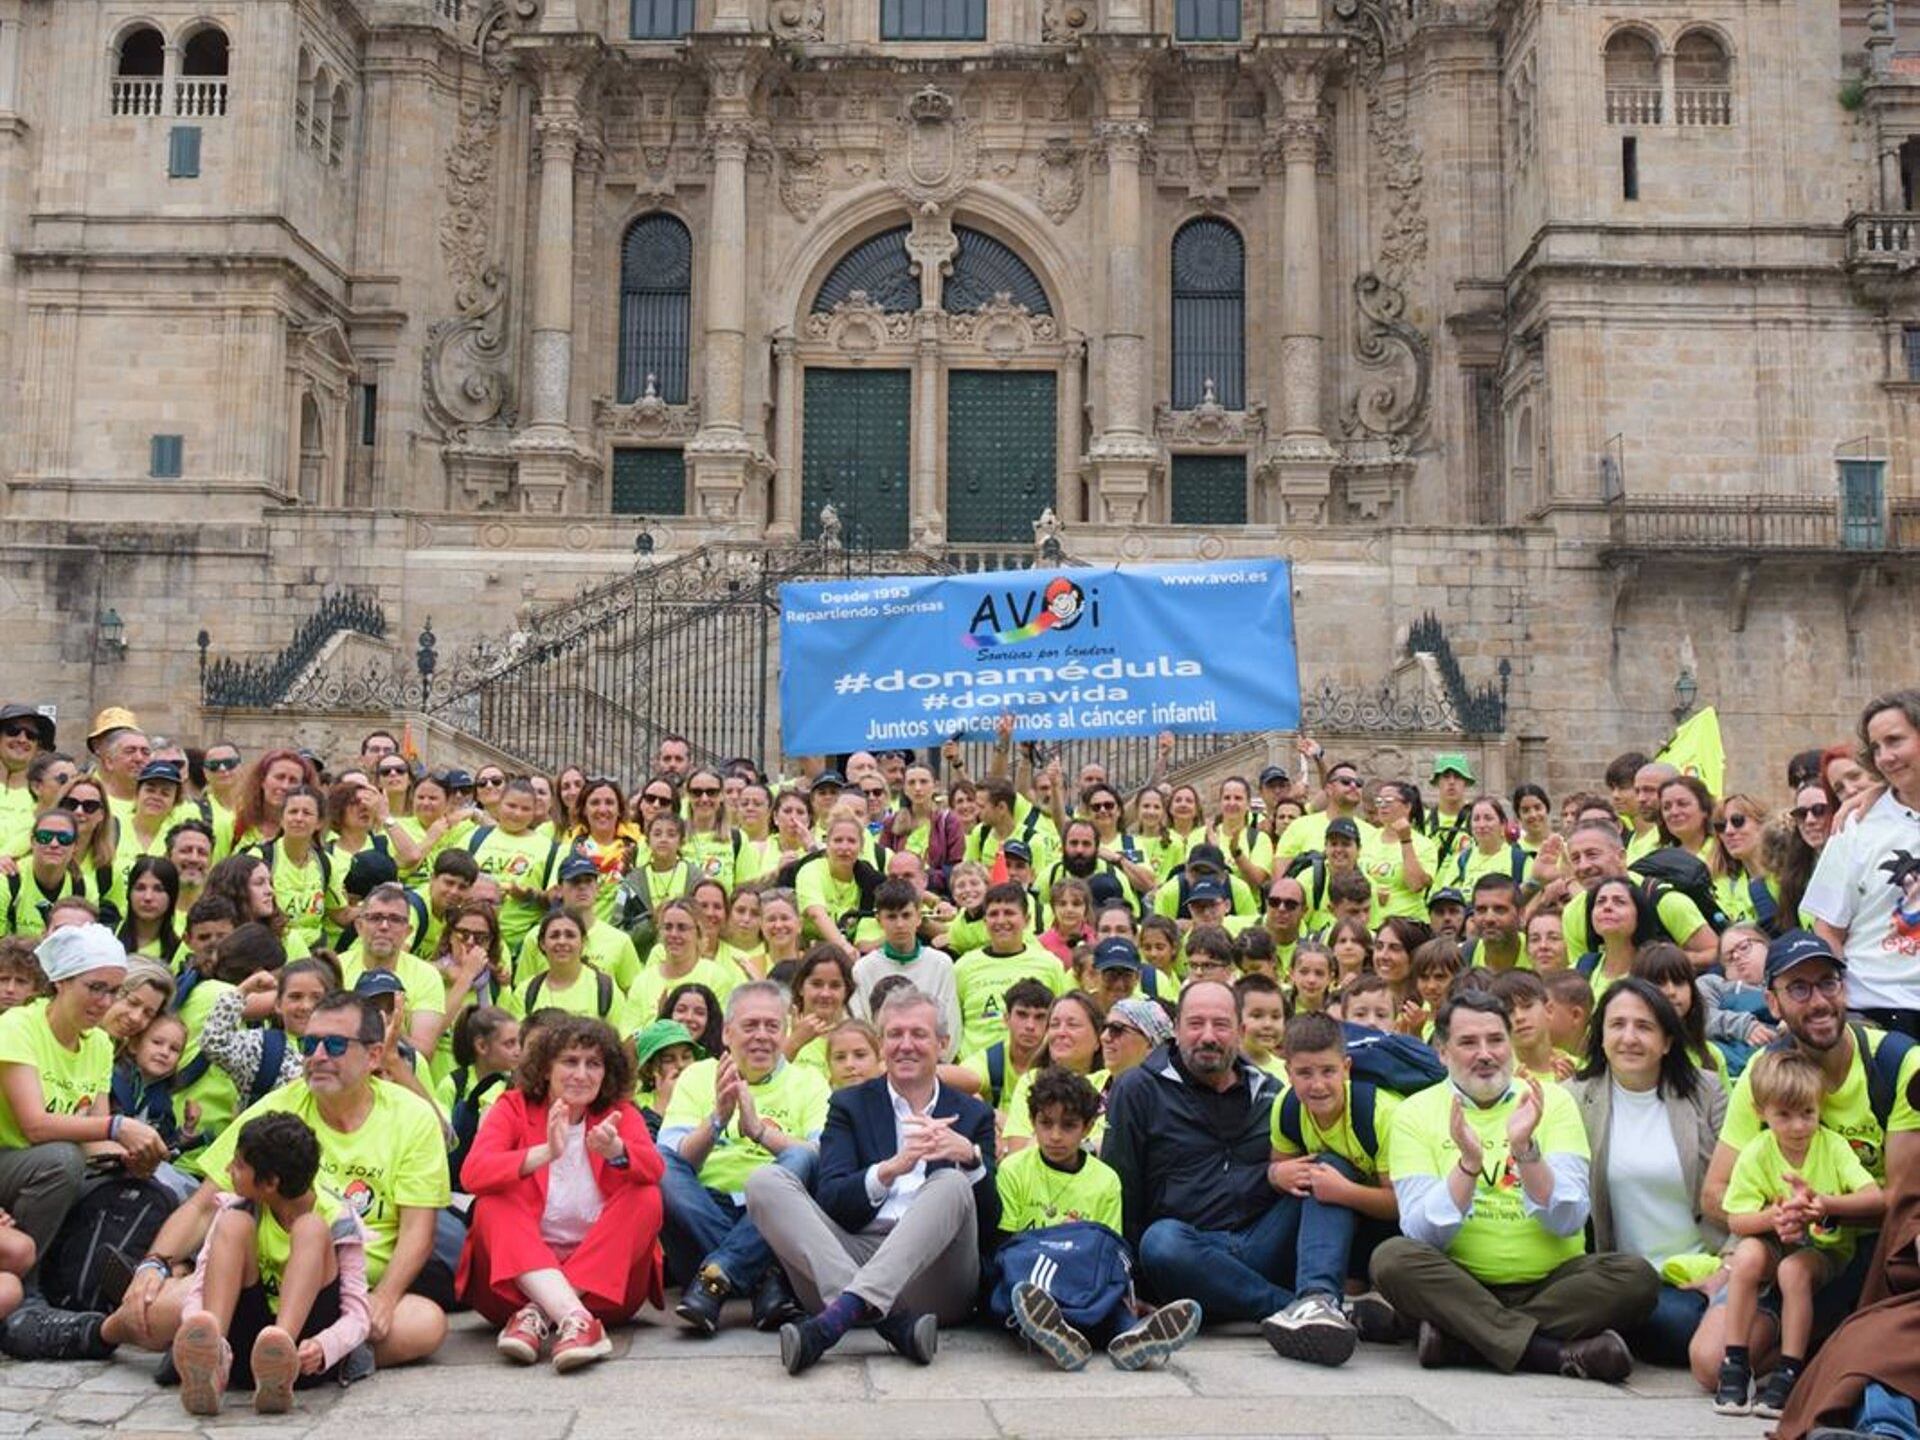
467	1110
603	984
117	1216
1671	868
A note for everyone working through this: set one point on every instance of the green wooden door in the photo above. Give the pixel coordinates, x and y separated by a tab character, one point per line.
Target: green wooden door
857	454
1002	445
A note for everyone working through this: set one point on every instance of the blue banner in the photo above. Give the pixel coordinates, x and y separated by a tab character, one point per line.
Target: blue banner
909	661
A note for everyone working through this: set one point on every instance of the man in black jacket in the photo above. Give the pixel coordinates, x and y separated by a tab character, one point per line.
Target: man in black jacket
1189	1131
904	1203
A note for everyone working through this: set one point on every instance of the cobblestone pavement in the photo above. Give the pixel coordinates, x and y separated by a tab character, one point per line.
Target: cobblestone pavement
732	1388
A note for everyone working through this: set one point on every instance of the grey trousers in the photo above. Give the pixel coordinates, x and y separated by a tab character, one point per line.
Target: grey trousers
38	1186
928	1263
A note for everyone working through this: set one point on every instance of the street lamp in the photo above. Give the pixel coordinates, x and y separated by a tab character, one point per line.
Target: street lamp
426	660
110	634
1685	687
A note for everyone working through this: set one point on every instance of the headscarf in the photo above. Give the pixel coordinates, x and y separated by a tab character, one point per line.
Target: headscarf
78	950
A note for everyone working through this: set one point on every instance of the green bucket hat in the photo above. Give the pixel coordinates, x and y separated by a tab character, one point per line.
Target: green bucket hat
1454	762
659	1035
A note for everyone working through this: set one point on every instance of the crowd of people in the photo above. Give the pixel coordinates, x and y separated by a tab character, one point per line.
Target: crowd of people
880	1043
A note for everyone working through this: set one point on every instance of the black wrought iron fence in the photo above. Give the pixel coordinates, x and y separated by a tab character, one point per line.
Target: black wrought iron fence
267	680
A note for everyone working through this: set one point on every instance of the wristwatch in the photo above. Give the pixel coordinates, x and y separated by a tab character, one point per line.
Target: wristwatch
1526	1156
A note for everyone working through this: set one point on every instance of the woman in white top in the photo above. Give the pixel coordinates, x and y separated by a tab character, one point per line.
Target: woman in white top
1652	1122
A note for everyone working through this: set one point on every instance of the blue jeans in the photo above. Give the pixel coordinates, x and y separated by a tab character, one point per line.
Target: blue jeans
1238	1274
705	1227
1663	1337
1886	1412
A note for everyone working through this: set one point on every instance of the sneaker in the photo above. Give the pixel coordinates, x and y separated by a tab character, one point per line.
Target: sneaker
773	1302
1731	1395
40	1332
1599	1357
203	1358
802	1344
1313	1329
275	1365
1152	1340
580	1340
524	1336
1039	1318
700	1302
1770	1400
1374	1319
1435	1349
910	1336
359	1364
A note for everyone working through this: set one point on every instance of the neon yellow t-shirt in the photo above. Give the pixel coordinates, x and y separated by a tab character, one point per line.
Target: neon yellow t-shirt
1382	864
981	978
711	856
70	1080
643	999
1309	832
1340	1139
214	1092
397	1158
1847	1111
1035	1195
272	1245
1498	1242
607	948
1679	916
583	997
1020	1118
815	885
305	894
1759	1179
525	859
425	988
794	1097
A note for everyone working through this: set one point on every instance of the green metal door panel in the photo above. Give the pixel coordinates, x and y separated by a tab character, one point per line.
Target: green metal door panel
857	452
649	482
1863	523
1002	444
1209	490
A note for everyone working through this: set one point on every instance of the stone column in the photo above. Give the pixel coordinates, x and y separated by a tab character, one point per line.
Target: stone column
1066	494
722	457
1124	454
785	526
927	521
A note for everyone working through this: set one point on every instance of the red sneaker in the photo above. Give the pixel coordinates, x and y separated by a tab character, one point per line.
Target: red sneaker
581	1340
525	1336
201	1355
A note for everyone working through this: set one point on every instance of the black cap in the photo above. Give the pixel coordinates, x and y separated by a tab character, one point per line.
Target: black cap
1446	895
1204	854
455	779
378	982
1343	829
828	777
164	772
1105	889
578	867
41	724
370	868
1797	947
1116	952
1212	890
1273	775
1018	850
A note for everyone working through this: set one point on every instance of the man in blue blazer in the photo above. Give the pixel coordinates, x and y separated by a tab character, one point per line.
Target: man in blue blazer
904	1203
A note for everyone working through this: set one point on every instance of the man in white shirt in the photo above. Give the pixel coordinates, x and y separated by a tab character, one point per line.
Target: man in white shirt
1865	893
904	1204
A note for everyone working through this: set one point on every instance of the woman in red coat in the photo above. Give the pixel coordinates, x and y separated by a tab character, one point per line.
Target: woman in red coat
566	1222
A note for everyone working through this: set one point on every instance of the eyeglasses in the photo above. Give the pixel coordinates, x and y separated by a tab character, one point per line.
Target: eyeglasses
1801	991
650	799
1113	1028
476	937
334	1045
383	917
490	782
222	765
870	794
1803	813
20	730
1353	780
1732	822
1282	902
84	807
54	837
1103	807
703	792
393	770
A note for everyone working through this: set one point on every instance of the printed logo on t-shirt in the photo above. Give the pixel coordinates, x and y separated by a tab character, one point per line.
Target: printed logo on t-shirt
1903	930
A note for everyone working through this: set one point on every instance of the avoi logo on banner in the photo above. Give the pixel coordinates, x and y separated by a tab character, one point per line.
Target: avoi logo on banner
1109	651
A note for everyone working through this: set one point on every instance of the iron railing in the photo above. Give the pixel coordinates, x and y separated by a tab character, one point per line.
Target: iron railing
1752	523
1481	711
266	682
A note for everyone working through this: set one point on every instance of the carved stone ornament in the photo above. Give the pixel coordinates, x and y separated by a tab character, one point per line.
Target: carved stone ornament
1391	402
1209	422
857	326
1003	328
798	19
648	418
803	177
936	153
1064	21
1058	186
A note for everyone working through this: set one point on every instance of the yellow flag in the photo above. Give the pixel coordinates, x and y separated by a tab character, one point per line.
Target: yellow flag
1695	749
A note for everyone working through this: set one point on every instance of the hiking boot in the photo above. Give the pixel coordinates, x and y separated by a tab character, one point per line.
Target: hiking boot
1732	1395
1436	1349
802	1345
910	1336
276	1365
700	1302
1599	1357
524	1336
40	1332
1153	1339
1039	1318
1313	1329
774	1304
580	1340
204	1359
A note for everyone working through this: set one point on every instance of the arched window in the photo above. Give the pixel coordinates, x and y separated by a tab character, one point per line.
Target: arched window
337	125
303	100
1633	79
139	63
656	303
879	268
1702	80
205	52
984	268
142	52
1209	314
322	111
201	90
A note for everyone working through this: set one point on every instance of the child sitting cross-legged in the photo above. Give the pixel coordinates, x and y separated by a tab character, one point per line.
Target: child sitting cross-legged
279	1292
1794	1192
1063	1270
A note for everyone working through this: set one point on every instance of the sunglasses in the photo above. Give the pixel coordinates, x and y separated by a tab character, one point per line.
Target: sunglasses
222	765
1282	902
393	770
334	1045
1732	822
54	837
1803	813
660	799
490	782
84	807
1114	1028
1103	807
870	794
20	731
1353	780
703	792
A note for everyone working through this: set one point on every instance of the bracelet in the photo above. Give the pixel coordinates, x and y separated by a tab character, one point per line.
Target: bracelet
1527	1156
160	1266
1466	1169
113	1126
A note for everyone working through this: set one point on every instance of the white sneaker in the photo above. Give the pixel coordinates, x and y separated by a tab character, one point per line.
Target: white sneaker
1313	1329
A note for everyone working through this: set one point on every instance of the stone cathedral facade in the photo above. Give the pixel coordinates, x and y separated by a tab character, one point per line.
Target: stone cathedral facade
1588	328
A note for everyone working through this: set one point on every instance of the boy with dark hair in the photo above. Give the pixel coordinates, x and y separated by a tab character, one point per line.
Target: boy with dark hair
1052	1184
281	1278
1569	1005
1001	1064
896	905
981	977
1534	1053
1367	1000
1263	1017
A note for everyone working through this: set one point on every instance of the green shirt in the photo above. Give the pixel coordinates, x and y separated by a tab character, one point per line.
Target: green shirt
1339	1138
70	1080
1679	917
1035	1195
1497	1242
607	948
396	1159
1381	863
1846	1111
981	979
794	1097
582	997
214	1092
305	893
1831	1168
643	999
525	859
1019	1124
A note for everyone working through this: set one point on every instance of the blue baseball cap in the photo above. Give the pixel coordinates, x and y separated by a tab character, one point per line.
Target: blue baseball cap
378	982
1018	850
1795	948
163	771
1116	952
578	867
1208	890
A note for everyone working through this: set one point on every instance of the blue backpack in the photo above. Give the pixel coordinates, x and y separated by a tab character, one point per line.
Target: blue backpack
1399	1063
1085	1267
1361	1103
